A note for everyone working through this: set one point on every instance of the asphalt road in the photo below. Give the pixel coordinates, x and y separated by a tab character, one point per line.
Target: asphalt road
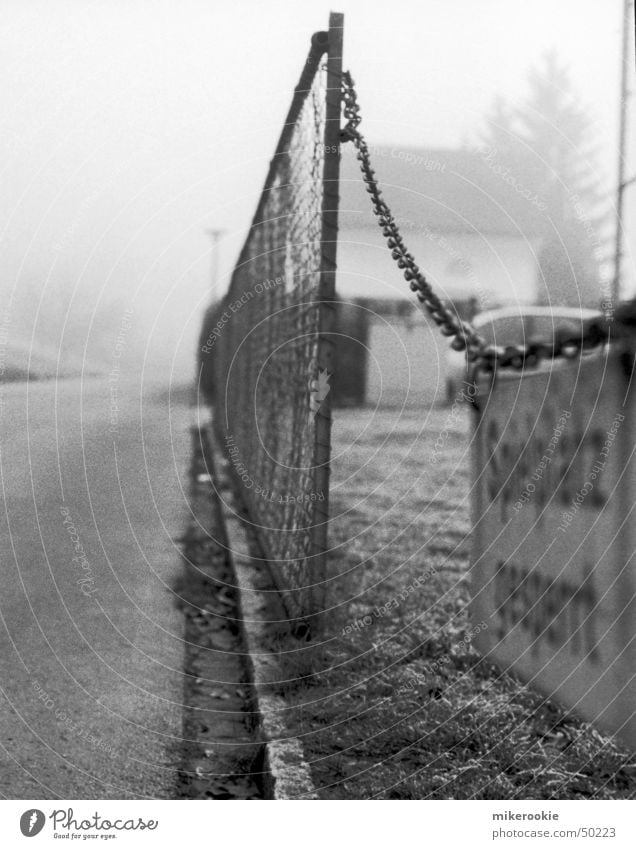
94	491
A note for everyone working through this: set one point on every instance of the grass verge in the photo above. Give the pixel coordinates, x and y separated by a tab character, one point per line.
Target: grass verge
398	705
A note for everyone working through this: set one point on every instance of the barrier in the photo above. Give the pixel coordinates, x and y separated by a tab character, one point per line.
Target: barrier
268	345
553	570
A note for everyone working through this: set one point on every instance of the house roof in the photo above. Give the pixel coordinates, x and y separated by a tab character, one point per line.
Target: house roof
445	191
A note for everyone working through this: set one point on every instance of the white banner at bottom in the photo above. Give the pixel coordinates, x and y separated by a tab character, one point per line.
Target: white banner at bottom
338	824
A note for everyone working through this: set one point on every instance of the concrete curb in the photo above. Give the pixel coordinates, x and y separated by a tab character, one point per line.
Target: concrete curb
287	774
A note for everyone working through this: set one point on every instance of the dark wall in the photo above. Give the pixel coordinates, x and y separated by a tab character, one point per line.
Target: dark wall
351	339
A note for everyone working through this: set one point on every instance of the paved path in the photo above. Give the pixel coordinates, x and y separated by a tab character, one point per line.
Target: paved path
94	487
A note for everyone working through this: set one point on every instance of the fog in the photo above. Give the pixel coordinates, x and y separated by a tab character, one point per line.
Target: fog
132	128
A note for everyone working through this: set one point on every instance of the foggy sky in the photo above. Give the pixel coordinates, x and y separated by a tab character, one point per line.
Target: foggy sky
130	128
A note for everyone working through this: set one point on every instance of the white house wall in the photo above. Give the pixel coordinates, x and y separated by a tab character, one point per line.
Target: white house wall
496	269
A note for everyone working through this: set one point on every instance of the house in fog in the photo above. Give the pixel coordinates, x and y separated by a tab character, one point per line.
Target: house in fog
473	230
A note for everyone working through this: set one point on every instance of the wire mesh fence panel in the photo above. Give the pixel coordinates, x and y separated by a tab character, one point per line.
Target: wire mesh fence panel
271	337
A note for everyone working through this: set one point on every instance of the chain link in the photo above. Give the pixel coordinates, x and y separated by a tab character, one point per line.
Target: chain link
465	337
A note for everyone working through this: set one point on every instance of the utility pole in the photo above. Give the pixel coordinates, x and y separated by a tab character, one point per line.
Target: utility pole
622	142
215	235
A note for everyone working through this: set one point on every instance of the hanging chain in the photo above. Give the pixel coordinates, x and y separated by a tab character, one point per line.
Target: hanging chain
464	336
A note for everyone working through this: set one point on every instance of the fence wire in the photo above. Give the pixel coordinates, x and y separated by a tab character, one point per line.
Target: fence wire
269	340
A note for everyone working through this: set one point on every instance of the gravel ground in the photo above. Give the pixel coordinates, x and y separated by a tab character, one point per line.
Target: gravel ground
221	750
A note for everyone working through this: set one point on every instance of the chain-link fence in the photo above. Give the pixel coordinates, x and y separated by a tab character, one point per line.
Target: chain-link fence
268	343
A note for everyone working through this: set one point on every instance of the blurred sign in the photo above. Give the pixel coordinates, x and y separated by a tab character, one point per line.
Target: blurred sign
553	572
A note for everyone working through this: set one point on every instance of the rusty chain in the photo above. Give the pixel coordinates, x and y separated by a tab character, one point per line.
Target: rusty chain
479	352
